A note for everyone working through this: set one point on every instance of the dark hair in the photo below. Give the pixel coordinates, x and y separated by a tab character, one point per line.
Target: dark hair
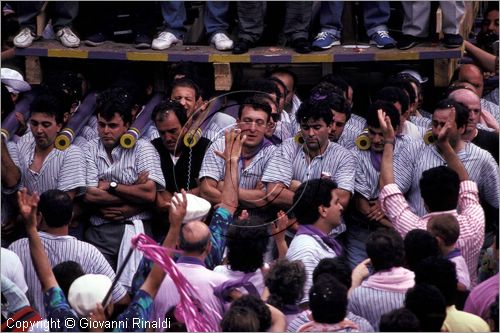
240	319
399	320
7	103
446	227
461	111
185	82
427	303
393	95
285	281
493	314
246	244
259	307
309	196
439	188
419	244
266	86
56	208
328	300
441	273
281	70
115	100
65	273
278	82
47	103
403	84
385	249
337	267
325	92
161	110
197	247
388	108
312	109
337	81
68	86
256	103
410	78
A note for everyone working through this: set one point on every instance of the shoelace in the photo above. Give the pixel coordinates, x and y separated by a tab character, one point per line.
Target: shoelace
383	34
69	32
322	35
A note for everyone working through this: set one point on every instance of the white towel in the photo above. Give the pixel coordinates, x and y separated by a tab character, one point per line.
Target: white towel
137	227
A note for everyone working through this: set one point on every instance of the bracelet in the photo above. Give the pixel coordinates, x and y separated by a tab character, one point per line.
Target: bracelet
389	142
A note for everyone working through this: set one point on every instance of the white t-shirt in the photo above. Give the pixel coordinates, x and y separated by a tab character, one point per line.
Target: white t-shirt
13	269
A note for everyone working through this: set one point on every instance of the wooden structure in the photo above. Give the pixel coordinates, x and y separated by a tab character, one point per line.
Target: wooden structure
443	58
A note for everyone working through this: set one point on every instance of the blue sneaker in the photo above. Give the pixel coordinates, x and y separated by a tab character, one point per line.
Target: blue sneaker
382	40
324	40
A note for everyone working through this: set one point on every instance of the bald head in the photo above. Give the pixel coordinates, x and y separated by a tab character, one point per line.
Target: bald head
472	102
194	237
472	74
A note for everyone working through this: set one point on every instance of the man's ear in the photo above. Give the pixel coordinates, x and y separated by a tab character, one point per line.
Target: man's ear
322	211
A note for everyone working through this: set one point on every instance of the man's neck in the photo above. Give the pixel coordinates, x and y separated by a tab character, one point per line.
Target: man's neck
62	231
43	152
313	153
250	151
198	256
470	135
445	250
323	226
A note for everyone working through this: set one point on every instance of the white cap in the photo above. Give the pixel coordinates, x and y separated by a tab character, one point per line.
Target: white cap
416	75
86	291
197	208
14	81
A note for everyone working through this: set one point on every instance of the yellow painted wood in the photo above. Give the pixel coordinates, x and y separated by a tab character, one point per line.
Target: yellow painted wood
328	57
224	58
143	56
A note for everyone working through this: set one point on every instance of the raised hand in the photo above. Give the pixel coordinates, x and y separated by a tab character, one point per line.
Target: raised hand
386	125
234	144
28	205
449	127
177	208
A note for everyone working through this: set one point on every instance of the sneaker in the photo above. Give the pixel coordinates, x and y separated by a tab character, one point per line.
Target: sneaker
324	40
67	37
408	41
24	38
221	41
242	46
452	41
96	39
142	41
164	40
301	45
382	40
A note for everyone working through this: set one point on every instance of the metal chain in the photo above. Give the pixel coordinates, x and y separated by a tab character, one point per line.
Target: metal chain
190	158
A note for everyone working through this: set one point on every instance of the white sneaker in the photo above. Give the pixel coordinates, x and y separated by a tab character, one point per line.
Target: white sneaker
24	38
221	41
164	40
67	37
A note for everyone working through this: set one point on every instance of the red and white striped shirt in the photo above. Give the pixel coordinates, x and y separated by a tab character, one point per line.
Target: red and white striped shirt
471	219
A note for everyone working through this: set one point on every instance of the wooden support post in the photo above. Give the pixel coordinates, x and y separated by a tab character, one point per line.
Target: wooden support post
443	71
326	68
222	76
33	70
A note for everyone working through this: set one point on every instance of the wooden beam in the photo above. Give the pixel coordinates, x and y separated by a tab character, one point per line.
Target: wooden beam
33	70
223	76
443	71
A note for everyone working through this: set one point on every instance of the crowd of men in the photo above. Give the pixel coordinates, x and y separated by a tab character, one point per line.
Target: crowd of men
275	213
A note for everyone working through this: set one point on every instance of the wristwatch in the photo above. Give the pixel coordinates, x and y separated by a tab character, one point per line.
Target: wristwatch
112	187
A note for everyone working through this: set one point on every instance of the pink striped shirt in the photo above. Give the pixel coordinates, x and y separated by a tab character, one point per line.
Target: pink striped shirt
470	220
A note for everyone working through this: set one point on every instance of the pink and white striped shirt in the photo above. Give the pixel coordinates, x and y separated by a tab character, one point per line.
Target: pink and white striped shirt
471	219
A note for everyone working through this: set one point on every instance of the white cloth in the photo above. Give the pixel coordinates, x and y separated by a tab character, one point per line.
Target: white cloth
137	227
12	268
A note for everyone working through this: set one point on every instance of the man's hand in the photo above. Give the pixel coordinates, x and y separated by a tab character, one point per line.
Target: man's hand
119	213
294	185
97	315
22	124
443	139
386	125
103	185
177	208
28	205
234	144
375	212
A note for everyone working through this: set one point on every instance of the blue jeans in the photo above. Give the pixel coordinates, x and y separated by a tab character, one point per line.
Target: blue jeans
376	15
62	13
174	16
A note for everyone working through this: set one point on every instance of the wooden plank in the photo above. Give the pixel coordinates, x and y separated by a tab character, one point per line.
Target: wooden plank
68	53
313	57
395	56
243	58
443	71
223	78
33	70
146	56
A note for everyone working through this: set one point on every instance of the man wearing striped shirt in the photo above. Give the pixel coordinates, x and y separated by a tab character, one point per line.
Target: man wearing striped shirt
418	157
253	120
55	210
43	167
122	183
441	187
294	163
368	216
